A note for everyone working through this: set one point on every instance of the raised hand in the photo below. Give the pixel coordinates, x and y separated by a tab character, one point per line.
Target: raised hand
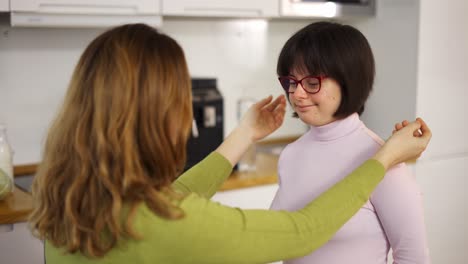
260	120
264	117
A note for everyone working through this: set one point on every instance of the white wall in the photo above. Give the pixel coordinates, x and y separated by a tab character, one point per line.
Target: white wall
421	54
393	35
36	65
444	183
443	75
4	5
241	53
35	68
441	99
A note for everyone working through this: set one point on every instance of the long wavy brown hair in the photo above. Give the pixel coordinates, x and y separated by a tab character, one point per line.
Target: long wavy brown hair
118	140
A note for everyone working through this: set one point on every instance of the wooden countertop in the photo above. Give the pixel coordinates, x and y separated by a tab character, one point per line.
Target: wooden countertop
16	207
265	173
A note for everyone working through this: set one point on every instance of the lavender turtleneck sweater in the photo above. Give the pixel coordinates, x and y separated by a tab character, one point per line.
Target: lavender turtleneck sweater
393	216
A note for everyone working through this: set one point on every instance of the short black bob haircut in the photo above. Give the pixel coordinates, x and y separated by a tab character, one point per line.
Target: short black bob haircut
340	52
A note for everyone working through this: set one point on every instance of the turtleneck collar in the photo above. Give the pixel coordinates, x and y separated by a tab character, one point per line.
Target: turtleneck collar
336	129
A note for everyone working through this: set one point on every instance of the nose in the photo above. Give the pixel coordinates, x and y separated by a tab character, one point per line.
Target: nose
299	93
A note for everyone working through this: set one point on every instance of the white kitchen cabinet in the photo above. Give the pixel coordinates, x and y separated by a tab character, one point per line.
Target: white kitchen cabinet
221	8
326	9
87	6
443	184
19	246
84	12
248	198
4	5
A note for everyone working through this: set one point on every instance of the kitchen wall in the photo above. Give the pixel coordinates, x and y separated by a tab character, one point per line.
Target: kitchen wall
393	35
441	98
36	64
421	55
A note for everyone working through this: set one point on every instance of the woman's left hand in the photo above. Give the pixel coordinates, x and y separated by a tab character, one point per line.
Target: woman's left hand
264	117
404	123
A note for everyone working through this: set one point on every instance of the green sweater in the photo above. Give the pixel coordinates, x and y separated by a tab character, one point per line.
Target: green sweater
214	233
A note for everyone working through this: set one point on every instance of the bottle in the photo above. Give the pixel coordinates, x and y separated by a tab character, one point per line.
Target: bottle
5	185
6	163
247	162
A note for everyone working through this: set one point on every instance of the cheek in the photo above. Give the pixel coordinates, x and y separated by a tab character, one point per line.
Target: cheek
334	100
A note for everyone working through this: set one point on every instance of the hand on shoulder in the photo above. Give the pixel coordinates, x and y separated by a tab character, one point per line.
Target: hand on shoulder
408	142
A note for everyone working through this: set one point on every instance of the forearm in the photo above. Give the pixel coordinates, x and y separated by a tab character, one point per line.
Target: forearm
206	177
260	236
337	205
384	158
235	145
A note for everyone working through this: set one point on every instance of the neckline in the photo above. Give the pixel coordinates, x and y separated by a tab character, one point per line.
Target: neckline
336	129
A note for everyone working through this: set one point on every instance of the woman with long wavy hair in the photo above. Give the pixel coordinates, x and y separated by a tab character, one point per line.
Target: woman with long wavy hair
108	189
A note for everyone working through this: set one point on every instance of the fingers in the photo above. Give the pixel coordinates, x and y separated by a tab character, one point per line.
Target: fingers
407	127
398	126
422	131
279	101
268	104
279	113
413	126
425	131
260	104
278	109
416	133
401	125
404	123
424	126
279	119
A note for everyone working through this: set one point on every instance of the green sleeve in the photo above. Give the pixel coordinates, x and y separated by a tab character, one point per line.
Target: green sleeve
213	233
206	177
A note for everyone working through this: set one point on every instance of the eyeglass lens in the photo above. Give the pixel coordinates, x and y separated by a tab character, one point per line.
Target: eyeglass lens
309	84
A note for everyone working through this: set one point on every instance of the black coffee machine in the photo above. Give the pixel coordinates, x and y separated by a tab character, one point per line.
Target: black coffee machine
207	127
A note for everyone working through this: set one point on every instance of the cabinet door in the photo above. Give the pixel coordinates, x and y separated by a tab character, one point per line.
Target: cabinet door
87	6
443	183
4	6
249	198
221	8
19	246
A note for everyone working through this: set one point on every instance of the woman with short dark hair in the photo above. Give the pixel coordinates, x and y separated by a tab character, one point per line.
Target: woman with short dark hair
327	70
108	189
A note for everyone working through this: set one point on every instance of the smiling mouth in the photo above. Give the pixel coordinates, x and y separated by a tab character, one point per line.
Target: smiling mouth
303	108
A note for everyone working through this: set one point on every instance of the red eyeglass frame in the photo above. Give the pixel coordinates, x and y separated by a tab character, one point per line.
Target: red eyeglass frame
297	82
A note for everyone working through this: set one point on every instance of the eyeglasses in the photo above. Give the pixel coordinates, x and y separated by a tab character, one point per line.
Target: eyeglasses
310	84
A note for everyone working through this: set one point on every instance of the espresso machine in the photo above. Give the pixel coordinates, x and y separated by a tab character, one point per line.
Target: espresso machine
207	126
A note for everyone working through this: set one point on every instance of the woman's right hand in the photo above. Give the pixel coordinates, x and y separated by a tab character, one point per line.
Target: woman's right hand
259	121
407	142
